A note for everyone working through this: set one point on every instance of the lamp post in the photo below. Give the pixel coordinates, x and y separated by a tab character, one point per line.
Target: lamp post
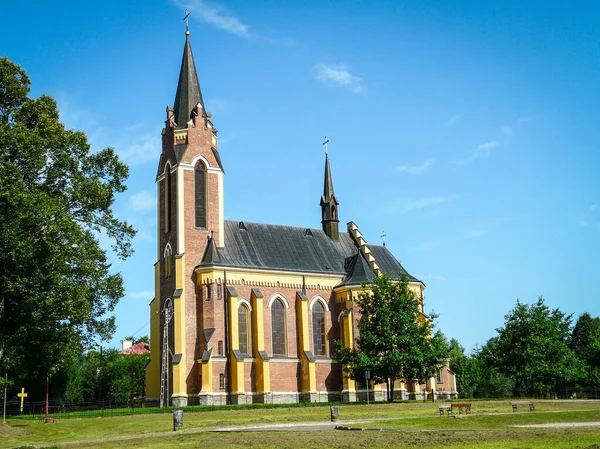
367	376
5	393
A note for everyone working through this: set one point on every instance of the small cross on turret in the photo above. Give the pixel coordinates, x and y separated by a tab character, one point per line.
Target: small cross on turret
325	143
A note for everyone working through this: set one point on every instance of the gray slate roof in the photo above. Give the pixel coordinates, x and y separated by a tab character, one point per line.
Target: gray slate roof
290	248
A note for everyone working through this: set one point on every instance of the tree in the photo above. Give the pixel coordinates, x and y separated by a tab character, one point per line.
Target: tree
585	342
492	383
533	348
56	286
396	340
468	370
88	383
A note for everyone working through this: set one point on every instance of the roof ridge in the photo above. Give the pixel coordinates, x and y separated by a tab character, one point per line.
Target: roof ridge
302	228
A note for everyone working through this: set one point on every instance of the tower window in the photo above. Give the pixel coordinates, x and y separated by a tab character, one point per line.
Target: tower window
222	381
168	257
208	292
200	194
220	347
167	198
278	328
318	328
219	292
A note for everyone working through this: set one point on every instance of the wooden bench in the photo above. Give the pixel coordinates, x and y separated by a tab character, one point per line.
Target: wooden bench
463	407
516	404
445	408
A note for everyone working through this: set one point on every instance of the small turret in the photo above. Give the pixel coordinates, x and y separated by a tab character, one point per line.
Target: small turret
329	203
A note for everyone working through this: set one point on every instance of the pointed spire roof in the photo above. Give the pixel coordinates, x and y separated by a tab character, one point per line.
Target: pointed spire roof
357	270
328	194
211	253
188	88
328	184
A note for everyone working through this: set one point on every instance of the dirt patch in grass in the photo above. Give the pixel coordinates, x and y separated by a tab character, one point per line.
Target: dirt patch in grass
517	439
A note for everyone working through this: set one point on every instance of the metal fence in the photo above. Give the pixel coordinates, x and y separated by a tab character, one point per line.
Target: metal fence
62	409
558	393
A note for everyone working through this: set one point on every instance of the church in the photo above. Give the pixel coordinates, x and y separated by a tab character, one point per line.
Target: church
246	312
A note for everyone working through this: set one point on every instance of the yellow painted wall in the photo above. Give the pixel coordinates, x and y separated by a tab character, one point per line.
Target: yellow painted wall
236	366
308	368
263	372
179	369
153	367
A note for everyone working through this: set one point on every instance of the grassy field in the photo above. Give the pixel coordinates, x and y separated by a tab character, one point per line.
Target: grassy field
413	424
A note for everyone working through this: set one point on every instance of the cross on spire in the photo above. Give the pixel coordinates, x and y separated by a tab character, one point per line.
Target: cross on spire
325	143
383	236
187	25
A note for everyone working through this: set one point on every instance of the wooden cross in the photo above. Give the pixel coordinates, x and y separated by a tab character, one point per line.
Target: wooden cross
325	143
383	236
22	395
187	29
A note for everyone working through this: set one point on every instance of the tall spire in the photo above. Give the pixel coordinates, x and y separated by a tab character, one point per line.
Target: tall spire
188	94
329	203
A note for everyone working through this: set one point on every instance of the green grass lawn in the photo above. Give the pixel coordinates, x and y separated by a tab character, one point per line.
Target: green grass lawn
413	424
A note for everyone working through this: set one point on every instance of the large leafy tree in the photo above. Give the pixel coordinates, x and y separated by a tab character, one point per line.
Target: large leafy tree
467	368
56	195
396	340
585	341
533	348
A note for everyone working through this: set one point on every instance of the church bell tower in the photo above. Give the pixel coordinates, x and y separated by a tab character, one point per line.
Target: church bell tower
190	210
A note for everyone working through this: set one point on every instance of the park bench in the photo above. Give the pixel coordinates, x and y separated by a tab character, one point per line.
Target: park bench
445	408
516	404
463	407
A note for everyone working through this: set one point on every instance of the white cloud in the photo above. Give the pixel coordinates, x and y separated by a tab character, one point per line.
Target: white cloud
410	205
583	222
339	75
217	16
141	295
509	130
143	150
482	151
593	207
416	169
452	120
142	201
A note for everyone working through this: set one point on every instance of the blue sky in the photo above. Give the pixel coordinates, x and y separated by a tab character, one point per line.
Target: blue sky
467	131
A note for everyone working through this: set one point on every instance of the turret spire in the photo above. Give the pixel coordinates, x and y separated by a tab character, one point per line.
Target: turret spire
329	203
188	94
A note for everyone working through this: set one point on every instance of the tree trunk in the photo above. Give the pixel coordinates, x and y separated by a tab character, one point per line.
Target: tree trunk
387	388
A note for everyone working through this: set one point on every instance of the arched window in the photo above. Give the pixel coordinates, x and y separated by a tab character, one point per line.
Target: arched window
200	194
244	329
278	327
167	201
318	328
168	256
